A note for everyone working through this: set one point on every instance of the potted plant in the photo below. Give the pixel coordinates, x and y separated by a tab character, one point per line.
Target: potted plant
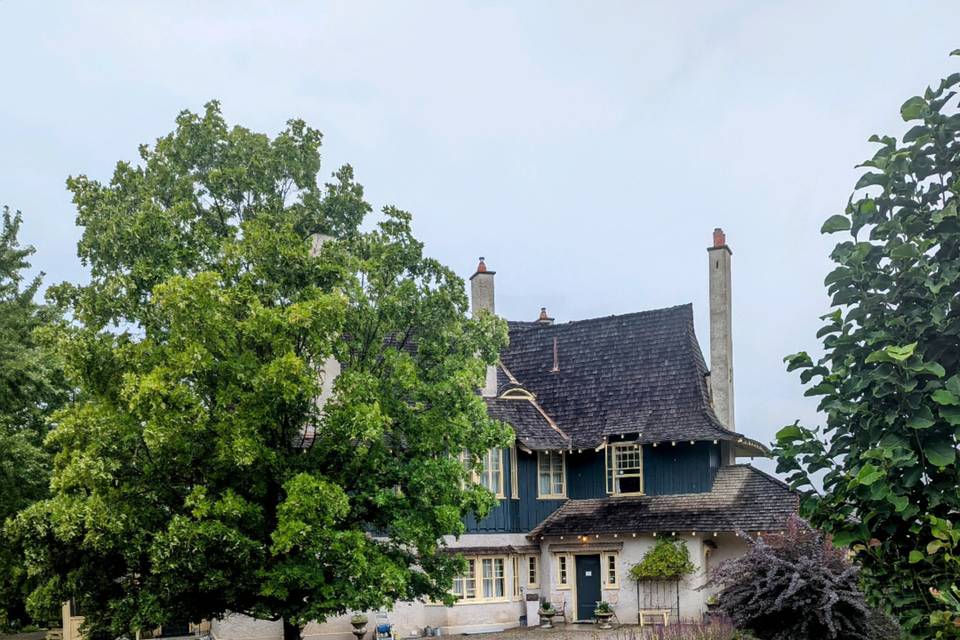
603	612
712	603
547	612
359	623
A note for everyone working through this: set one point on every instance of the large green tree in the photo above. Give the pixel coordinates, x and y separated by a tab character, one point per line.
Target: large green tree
201	472
31	386
889	378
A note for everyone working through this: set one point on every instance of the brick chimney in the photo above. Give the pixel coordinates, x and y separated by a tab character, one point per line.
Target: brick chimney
721	329
482	299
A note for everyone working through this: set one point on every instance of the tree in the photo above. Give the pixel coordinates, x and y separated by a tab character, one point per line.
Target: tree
31	386
797	586
890	376
201	473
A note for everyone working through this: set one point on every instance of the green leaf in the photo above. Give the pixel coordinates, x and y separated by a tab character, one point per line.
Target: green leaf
913	108
922	419
904	252
869	474
789	433
900	503
953	384
835	223
941	453
934	546
942	396
951	415
916	556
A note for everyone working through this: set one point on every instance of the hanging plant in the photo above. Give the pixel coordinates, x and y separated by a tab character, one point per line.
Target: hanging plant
669	559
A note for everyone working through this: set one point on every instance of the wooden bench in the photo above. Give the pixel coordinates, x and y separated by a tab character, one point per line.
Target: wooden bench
658	615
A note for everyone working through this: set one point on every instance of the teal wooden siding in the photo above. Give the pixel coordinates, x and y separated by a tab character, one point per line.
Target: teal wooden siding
684	468
667	469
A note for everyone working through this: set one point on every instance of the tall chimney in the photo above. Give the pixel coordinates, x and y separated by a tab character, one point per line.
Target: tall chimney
721	330
481	299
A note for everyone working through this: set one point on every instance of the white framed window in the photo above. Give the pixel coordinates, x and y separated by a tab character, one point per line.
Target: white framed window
491	472
490	475
610	575
485	580
551	471
533	572
494	578
624	469
516	577
465	586
563	573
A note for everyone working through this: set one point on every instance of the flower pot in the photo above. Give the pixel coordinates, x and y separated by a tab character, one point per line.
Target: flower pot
603	619
546	618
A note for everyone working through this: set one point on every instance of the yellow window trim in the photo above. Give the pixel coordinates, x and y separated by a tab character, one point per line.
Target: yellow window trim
605	559
478	583
566	562
610	462
563	473
536	572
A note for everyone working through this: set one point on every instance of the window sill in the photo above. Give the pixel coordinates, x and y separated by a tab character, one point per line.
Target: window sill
557	496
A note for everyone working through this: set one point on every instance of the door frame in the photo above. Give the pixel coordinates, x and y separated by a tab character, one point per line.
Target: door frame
576	579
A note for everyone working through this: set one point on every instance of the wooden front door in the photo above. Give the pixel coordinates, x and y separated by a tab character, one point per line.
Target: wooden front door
588	586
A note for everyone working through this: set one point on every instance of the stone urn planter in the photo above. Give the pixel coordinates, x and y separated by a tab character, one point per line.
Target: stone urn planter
603	613
603	620
359	624
546	617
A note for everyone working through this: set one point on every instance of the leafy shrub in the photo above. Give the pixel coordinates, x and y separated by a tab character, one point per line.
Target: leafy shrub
797	586
669	559
947	622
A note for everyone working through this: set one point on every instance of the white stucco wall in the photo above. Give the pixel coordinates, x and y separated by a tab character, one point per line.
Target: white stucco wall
413	617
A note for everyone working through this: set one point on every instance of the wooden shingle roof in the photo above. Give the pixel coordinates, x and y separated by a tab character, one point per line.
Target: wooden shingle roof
742	499
640	373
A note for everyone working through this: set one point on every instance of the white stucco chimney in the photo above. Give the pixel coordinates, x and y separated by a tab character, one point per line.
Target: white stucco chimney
482	299
721	329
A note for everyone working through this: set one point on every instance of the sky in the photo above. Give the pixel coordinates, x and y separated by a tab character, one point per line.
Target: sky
586	149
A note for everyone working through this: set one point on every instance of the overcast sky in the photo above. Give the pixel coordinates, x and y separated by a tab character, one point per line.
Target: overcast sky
587	149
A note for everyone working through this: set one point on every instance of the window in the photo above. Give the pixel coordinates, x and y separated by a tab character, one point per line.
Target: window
624	469
493	578
484	580
610	570
562	574
532	569
465	586
516	577
514	475
551	471
491	473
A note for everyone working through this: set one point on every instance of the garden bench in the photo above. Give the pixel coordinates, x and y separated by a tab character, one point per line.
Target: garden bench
658	615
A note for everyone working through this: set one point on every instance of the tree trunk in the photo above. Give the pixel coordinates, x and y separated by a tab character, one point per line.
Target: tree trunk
292	631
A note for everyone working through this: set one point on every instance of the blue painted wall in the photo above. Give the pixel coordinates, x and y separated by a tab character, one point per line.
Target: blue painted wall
667	469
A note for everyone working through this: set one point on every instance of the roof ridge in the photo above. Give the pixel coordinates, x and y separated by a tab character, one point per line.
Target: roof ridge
533	324
763	474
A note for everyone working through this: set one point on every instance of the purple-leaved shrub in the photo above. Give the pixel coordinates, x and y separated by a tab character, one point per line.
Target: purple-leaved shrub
797	586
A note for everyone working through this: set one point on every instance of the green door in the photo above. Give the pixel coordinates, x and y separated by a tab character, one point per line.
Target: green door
588	586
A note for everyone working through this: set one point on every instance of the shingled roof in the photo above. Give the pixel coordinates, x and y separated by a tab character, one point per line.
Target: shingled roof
640	373
742	499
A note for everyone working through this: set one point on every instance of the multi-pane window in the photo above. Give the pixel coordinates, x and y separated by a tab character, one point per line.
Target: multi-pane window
465	586
550	469
624	468
516	577
493	578
562	574
610	569
533	579
491	473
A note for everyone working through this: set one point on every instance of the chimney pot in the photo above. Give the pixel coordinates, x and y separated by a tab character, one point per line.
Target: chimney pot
544	318
719	238
482	267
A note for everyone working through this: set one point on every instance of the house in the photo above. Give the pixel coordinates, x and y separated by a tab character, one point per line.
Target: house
622	435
